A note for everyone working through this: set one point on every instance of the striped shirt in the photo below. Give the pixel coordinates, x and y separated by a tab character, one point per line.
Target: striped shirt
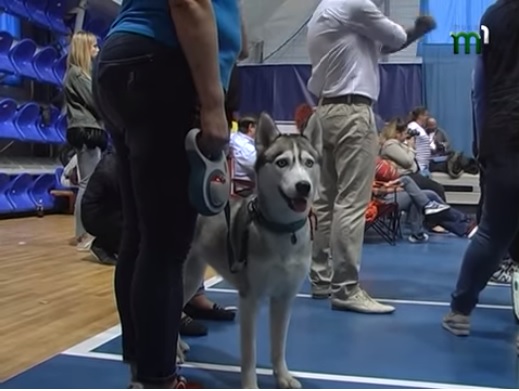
422	146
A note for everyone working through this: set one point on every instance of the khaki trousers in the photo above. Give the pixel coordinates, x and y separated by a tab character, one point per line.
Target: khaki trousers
350	146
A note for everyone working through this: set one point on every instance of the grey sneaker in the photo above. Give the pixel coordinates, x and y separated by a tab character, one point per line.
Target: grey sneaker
503	275
457	324
434	207
363	303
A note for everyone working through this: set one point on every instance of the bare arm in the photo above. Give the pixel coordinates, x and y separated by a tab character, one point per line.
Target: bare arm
196	30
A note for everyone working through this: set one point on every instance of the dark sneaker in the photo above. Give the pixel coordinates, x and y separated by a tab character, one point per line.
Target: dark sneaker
103	256
216	313
419	238
191	328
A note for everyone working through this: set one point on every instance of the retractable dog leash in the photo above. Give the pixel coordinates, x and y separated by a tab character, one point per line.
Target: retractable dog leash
209	180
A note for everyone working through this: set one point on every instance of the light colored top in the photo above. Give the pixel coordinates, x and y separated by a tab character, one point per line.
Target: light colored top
422	146
243	150
401	154
344	43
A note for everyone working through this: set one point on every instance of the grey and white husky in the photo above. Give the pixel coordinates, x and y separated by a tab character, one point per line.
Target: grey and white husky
269	241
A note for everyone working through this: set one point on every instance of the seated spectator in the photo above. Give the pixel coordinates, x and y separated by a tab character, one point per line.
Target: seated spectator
101	212
410	198
302	115
439	142
243	149
421	141
398	146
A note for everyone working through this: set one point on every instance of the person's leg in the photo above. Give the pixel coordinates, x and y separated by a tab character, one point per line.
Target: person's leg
350	130
499	225
426	183
452	219
132	73
321	269
87	160
481	195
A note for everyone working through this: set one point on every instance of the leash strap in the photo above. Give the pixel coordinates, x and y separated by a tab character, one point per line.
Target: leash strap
236	261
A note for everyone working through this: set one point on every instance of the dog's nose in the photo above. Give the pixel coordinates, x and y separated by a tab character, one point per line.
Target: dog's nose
303	188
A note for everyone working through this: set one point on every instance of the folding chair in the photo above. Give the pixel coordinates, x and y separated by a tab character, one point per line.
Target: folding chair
239	187
383	216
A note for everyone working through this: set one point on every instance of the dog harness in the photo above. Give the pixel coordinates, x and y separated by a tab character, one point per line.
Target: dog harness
238	261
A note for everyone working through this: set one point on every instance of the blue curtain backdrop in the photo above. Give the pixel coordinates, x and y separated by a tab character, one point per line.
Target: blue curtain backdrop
446	76
12	25
279	89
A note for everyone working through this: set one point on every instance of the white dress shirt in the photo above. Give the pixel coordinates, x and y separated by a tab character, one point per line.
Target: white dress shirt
344	42
243	151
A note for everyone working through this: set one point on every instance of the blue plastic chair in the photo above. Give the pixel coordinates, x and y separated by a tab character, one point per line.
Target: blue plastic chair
5	204
40	189
43	62
21	55
18	193
7	114
61	127
37	10
6	42
49	131
55	14
17	7
26	122
58	69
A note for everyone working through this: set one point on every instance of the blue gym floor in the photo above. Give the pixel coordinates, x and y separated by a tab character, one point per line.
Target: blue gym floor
328	349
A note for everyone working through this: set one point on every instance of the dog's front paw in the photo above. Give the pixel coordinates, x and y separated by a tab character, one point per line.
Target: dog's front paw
286	380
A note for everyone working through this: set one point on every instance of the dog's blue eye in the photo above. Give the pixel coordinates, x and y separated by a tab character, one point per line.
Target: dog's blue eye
282	163
309	163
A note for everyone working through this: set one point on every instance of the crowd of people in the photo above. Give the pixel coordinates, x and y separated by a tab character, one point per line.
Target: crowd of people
188	51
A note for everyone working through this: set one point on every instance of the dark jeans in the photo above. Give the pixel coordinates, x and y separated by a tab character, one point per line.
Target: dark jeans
453	220
146	94
425	183
106	228
497	232
513	252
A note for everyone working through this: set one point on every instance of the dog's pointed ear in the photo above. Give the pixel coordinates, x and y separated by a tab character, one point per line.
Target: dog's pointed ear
266	131
314	132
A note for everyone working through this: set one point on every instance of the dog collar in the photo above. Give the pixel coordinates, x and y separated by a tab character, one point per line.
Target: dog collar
276	227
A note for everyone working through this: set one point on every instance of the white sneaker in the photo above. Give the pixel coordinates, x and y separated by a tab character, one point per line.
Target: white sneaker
418	238
473	232
363	303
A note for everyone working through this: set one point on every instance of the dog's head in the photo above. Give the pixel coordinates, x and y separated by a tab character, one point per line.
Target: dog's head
287	171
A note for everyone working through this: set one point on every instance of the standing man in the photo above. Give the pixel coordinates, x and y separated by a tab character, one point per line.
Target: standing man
496	112
345	41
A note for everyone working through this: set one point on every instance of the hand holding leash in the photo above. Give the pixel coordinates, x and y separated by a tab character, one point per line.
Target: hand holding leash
215	131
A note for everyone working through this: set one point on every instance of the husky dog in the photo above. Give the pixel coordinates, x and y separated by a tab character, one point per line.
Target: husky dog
269	239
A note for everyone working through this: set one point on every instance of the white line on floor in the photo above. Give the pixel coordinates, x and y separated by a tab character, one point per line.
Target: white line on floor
390	301
301	375
113	332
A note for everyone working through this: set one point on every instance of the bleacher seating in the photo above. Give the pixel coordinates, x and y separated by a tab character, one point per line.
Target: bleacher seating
30	184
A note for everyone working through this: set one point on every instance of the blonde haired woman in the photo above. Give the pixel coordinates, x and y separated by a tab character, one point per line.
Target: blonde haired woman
84	127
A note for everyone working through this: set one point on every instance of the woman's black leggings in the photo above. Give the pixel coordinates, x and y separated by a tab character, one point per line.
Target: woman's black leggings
147	97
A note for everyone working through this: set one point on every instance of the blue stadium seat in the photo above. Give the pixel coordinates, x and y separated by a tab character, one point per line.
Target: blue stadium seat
17	7
40	189
55	15
61	127
18	193
21	56
37	10
48	131
43	62
5	204
26	122
6	42
7	114
59	68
